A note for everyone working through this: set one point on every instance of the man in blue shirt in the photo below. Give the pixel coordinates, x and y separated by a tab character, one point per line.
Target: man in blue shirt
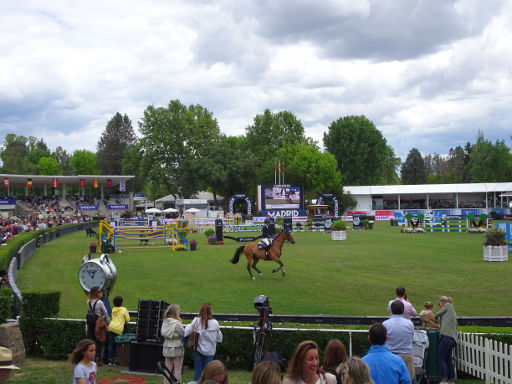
400	332
385	367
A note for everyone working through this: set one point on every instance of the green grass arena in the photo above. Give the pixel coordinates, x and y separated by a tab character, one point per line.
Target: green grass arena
355	277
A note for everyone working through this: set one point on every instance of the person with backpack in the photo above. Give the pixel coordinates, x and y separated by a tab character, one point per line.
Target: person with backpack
95	310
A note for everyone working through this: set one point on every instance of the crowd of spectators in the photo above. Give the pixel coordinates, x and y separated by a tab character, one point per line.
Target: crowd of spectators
41	213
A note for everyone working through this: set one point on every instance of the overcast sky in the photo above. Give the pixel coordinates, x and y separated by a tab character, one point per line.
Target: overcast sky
429	73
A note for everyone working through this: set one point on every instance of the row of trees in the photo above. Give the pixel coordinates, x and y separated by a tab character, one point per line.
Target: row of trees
182	151
481	162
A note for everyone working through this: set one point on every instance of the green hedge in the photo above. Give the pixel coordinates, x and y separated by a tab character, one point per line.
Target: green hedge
5	304
36	306
9	251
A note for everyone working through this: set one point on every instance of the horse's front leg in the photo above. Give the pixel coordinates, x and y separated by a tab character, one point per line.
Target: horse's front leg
254	262
249	270
278	261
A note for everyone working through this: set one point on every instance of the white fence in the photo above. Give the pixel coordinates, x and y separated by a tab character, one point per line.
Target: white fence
484	358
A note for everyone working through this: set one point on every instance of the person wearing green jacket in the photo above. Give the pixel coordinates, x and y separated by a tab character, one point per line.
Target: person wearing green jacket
448	338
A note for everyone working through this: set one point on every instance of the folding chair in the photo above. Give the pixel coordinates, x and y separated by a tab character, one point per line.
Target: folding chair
166	373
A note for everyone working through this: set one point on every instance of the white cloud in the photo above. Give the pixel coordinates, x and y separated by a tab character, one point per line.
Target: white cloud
429	74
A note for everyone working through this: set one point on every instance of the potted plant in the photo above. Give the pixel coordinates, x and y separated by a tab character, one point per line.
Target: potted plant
309	224
92	247
193	245
339	230
365	223
209	232
212	240
248	219
495	246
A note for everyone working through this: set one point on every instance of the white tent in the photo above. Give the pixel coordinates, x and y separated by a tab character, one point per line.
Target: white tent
153	210
170	210
193	210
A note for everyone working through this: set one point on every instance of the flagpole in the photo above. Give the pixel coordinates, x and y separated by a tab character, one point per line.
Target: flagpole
275	172
283	172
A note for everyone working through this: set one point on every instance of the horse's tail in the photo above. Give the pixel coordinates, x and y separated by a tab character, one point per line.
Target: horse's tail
235	258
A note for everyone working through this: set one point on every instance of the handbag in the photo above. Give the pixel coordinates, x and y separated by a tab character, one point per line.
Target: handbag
191	340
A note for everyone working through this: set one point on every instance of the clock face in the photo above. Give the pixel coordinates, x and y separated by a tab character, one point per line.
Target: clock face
90	275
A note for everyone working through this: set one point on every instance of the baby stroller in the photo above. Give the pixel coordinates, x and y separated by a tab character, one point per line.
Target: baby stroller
166	373
420	351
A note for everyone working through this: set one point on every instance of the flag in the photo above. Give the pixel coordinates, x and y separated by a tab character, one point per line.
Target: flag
95	183
82	183
6	181
55	182
29	183
109	183
122	186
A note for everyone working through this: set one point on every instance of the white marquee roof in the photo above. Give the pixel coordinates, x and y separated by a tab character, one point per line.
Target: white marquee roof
428	188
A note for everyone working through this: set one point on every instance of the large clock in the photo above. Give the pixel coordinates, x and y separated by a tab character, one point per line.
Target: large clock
99	272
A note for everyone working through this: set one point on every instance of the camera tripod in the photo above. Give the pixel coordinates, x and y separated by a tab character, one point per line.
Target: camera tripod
262	337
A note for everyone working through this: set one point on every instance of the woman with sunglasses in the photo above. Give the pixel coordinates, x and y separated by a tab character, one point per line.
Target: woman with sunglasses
209	335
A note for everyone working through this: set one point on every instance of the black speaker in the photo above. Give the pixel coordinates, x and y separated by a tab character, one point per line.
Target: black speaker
287	224
149	320
219	227
144	356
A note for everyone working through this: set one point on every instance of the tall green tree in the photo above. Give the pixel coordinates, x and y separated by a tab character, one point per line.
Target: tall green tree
232	168
391	165
37	149
64	161
117	137
490	162
84	162
270	131
315	170
172	137
13	154
132	166
413	169
48	166
360	150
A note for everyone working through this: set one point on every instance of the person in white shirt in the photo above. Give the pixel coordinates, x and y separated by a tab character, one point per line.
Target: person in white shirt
209	335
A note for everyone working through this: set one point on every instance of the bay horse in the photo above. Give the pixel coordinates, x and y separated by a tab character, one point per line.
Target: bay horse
253	254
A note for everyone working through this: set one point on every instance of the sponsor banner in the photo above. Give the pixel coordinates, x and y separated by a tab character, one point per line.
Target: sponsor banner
7	202
384	215
283	213
139	195
507	228
117	206
90	207
122	186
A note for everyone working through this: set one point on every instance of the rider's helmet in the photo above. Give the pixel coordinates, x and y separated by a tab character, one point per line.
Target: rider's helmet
267	221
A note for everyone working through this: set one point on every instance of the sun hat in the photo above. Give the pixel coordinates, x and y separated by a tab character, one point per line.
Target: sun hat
6	359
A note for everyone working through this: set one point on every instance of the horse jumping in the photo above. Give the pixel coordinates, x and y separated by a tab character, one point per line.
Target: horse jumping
253	254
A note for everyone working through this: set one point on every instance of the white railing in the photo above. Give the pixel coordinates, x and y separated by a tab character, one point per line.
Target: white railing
484	358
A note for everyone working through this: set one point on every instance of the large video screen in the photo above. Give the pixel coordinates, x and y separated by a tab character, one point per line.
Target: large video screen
282	196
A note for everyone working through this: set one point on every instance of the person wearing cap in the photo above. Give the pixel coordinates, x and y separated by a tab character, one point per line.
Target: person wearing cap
5	364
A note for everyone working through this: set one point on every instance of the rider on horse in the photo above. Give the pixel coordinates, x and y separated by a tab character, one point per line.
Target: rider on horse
268	232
